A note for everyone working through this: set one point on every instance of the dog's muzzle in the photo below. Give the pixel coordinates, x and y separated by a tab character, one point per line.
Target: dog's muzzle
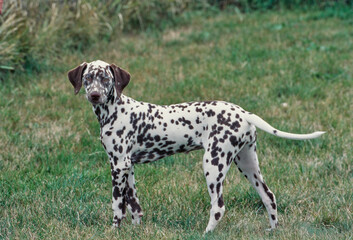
94	97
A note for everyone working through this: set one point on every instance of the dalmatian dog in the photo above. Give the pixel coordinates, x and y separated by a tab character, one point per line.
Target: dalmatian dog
134	132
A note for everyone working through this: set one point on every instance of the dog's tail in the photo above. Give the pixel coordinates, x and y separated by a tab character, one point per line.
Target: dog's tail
260	123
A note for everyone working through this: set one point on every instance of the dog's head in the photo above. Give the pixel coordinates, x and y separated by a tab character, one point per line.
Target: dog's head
99	80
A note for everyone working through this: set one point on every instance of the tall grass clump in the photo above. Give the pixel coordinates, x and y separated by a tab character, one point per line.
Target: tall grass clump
12	27
33	34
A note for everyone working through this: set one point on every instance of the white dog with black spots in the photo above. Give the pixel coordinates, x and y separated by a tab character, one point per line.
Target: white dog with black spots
134	132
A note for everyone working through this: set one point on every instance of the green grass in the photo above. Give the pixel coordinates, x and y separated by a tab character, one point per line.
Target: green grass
293	69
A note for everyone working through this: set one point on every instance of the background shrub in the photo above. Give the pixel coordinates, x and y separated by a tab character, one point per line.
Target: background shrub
34	33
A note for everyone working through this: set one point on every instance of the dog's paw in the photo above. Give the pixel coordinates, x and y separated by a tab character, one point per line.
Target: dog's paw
136	219
116	222
272	228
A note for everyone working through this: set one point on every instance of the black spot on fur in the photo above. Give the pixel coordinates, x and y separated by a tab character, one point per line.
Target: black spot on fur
219	177
218	187
220	167
233	140
116	193
270	195
210	113
211	187
220	201
215	161
274	206
120	132
265	187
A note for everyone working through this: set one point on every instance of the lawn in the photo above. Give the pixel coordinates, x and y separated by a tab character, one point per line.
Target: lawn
292	68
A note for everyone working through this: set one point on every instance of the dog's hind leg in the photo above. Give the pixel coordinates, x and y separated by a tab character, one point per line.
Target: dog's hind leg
248	164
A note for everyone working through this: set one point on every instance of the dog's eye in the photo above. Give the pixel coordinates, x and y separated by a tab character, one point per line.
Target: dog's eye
105	80
89	79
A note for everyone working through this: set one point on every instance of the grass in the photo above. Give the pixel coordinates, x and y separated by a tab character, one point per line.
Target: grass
291	68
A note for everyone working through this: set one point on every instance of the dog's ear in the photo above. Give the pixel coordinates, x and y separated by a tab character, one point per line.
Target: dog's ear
75	76
121	78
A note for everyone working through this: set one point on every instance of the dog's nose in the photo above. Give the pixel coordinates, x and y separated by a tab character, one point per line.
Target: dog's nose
95	96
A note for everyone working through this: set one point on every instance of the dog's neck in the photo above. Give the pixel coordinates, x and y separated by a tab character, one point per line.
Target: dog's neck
108	111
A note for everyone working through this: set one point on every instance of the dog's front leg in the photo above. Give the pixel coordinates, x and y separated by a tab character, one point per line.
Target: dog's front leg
120	171
131	199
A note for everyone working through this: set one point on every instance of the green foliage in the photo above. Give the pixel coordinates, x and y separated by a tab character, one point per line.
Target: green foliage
11	35
33	34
